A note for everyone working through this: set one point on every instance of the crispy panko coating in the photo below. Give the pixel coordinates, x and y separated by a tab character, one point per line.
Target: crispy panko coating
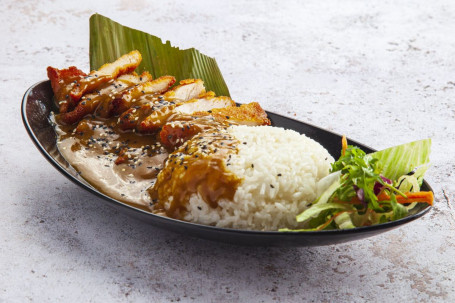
245	114
151	113
99	101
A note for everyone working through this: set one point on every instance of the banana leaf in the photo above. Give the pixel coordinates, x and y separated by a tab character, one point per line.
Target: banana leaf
109	40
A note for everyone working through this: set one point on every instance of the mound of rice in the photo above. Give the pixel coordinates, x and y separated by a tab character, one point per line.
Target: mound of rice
280	169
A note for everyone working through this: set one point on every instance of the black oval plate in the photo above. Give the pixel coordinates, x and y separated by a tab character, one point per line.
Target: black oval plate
37	105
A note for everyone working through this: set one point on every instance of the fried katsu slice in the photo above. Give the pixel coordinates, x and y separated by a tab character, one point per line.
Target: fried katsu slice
97	101
186	90
204	104
104	110
181	128
109	71
133	117
246	114
173	134
163	115
124	102
160	107
62	81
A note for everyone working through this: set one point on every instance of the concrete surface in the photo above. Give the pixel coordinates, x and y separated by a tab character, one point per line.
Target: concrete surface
381	72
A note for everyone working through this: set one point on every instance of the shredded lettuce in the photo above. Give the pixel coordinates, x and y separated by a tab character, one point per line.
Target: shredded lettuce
356	176
400	160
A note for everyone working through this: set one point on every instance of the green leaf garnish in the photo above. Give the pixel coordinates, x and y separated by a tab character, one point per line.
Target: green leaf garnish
339	205
109	40
399	160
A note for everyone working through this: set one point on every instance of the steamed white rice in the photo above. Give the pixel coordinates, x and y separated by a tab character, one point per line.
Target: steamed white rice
279	168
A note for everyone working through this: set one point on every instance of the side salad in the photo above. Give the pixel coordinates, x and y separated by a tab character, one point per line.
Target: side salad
366	189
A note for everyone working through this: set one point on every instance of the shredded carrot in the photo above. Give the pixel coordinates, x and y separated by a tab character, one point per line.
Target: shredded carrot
421	196
344	145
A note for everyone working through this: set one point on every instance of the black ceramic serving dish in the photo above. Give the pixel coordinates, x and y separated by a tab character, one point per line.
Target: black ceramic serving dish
37	105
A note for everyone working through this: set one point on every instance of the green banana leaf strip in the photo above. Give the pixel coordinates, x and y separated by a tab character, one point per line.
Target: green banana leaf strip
109	40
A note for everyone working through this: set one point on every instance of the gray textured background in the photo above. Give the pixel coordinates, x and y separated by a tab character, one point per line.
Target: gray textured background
380	72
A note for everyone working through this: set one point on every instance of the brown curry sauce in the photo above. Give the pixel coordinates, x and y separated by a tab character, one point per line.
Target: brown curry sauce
150	176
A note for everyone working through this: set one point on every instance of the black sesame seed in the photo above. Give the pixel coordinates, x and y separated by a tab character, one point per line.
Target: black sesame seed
272	186
252	165
279	175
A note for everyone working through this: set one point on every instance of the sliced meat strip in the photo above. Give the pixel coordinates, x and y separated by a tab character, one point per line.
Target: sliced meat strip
62	81
246	114
175	133
182	127
162	115
124	102
96	101
105	108
187	90
109	71
156	109
204	104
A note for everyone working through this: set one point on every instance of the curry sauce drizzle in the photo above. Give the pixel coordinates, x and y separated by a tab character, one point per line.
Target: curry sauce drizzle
199	166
